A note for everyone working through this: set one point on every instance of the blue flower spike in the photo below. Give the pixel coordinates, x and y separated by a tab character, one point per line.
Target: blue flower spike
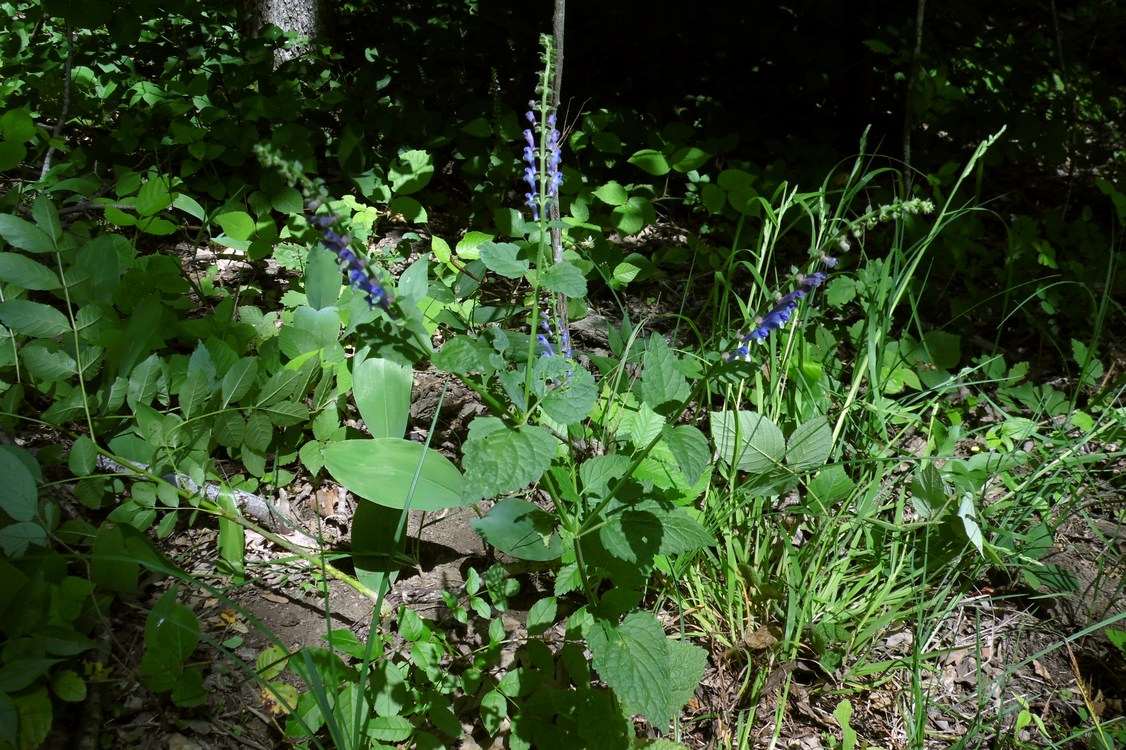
781	313
354	268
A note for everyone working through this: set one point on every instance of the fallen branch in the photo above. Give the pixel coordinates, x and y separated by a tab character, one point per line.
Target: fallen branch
255	507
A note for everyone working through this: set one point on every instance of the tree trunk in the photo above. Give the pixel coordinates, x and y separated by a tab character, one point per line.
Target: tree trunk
305	17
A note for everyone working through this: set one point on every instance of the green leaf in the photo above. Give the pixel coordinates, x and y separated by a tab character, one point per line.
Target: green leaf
383	469
389	728
929	493
69	686
153	197
661	381
689	448
407	208
190	206
713	197
35	718
232	538
612	194
688	158
194	392
462	355
382	389
747	440
688	663
571	402
411	172
633	659
145	381
468	246
502	258
517	527
630	217
236	224
82	456
20	497
322	278
33	318
809	445
565	278
15	538
23	234
541	615
25	273
650	161
498	459
238	380
171	628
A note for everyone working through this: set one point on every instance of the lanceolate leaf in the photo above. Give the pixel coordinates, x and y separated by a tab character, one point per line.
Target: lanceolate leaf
33	318
382	390
383	469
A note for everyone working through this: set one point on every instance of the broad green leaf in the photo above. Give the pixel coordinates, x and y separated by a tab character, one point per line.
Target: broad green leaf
20	497
688	662
570	402
503	258
713	197
498	459
189	205
259	431
468	247
382	389
929	493
46	361
650	161
172	628
383	470
83	454
322	278
15	538
144	381
411	172
389	728
286	413
236	224
462	355
407	209
23	234
11	154
661	381
747	440
69	686
153	197
689	448
35	717
635	214
809	445
238	380
612	193
25	273
194	393
33	318
564	278
517	527
541	615
633	658
688	158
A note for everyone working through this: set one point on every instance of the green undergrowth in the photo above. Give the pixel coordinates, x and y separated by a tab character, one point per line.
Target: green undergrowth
855	471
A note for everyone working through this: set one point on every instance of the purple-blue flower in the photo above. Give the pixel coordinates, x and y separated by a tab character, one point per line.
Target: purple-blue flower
781	313
351	265
552	157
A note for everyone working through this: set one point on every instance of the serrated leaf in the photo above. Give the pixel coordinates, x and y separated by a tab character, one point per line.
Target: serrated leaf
505	460
688	662
503	258
689	448
286	413
238	380
564	278
23	234
809	445
33	318
521	529
747	439
194	392
541	615
259	431
462	355
570	403
633	659
144	381
383	470
25	273
661	381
